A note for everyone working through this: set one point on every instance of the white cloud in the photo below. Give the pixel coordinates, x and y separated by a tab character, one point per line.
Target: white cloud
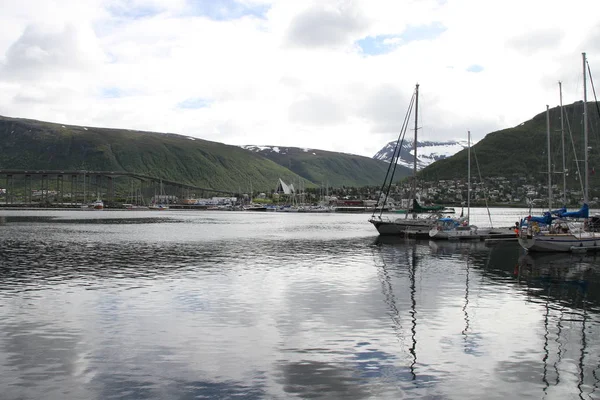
292	73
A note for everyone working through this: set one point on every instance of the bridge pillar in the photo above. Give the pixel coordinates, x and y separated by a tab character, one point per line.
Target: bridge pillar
59	188
28	189
111	189
45	186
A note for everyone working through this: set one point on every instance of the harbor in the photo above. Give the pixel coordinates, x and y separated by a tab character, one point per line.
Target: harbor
276	305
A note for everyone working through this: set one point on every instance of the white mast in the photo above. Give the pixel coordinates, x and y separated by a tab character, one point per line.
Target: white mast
585	133
549	163
414	188
562	135
469	177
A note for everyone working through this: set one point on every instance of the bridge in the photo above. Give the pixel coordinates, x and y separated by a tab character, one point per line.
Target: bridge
81	186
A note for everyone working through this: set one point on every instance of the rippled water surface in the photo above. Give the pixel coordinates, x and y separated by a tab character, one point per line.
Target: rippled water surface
186	305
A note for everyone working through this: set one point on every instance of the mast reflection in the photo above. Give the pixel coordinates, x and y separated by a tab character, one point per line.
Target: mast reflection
565	280
413	312
407	256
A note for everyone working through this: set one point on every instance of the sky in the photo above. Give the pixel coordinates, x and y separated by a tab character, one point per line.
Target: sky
332	75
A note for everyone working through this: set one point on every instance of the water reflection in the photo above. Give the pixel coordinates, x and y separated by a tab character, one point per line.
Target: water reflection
567	283
563	287
289	312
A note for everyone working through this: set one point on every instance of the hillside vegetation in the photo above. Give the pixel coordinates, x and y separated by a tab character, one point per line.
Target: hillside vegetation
522	151
30	144
327	167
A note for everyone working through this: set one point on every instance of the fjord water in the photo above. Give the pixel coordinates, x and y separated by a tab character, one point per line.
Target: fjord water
187	304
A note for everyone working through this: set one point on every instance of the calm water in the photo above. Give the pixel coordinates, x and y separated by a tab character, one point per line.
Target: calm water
187	305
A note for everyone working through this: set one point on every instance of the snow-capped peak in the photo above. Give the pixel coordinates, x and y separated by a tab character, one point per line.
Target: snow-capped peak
427	152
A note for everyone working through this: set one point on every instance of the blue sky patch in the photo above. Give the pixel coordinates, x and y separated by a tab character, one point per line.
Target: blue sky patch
423	32
194	103
381	44
475	68
128	11
224	10
111	92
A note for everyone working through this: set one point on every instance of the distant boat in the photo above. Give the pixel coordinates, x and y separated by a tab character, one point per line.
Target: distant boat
96	205
255	207
159	206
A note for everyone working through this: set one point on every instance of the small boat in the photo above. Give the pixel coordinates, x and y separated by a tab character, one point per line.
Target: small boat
255	207
158	207
96	205
458	228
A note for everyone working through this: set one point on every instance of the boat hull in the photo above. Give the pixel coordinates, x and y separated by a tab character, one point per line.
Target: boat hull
472	234
560	242
455	234
403	227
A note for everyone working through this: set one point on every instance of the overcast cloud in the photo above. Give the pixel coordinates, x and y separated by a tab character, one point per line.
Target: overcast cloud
335	75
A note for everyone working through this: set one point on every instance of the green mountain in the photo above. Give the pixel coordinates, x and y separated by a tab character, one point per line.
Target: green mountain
521	151
30	144
322	167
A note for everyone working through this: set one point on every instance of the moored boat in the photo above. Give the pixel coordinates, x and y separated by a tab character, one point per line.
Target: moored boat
420	224
96	205
567	231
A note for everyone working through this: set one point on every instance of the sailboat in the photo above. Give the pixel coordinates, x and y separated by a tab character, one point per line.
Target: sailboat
458	228
159	206
572	231
406	227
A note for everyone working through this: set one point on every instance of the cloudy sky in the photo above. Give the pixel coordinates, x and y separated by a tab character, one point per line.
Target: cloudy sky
334	75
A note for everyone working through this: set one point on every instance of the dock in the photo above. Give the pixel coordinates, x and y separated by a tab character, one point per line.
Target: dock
496	240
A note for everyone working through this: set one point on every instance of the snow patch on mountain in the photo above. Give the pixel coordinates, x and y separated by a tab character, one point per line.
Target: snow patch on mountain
428	152
272	149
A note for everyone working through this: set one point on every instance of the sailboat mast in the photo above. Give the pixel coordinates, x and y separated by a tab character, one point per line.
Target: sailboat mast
414	189
469	176
549	162
585	133
562	135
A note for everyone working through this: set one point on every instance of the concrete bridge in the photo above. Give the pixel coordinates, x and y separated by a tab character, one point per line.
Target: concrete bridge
81	186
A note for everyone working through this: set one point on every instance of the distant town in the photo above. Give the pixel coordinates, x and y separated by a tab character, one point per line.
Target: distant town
499	191
496	191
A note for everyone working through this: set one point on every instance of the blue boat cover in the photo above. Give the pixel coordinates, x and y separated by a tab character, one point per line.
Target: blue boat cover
546	219
584	212
559	211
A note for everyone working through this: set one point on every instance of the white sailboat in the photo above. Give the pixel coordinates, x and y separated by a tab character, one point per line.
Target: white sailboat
406	226
572	230
458	228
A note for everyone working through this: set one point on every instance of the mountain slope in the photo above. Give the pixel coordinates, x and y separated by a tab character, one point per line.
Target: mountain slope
428	152
30	144
521	151
326	167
